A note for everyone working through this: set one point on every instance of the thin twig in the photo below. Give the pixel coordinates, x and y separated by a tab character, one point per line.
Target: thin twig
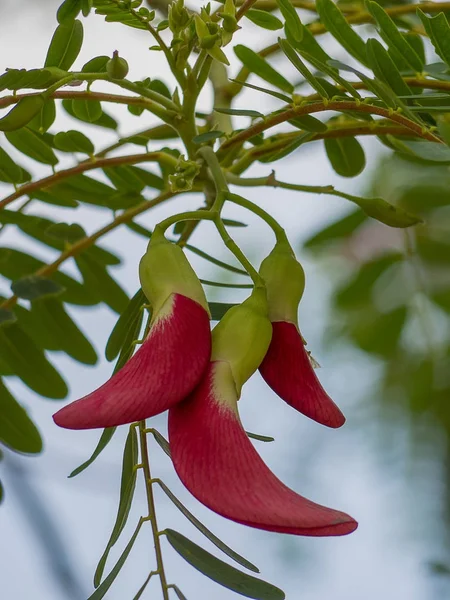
152	510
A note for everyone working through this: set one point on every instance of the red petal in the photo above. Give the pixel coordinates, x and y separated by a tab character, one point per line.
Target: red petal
164	370
218	464
287	369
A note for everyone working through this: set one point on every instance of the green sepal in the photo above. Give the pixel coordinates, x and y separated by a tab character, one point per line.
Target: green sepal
285	282
242	337
165	270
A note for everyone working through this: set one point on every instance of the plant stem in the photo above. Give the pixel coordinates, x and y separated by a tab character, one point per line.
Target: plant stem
193	215
208	154
234	248
151	509
315	107
88	165
279	232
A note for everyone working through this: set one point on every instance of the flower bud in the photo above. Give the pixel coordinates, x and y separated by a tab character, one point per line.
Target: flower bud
165	270
117	67
242	337
285	281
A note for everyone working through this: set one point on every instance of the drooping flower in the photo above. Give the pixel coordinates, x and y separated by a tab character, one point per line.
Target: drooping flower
173	357
212	453
286	368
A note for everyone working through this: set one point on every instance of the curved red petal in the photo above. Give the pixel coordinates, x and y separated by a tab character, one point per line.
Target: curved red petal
218	464
164	370
287	369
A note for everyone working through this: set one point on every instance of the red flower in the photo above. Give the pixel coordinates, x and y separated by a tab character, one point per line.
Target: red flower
218	464
287	369
164	370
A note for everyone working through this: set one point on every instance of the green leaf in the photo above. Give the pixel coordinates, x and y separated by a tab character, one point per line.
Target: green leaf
359	289
384	68
73	141
378	333
22	113
256	64
392	36
45	117
218	309
433	251
178	592
209	136
96	65
127	487
260	438
123	177
243	286
87	110
215	261
220	572
380	89
6	316
336	231
65	232
104	440
346	156
233	223
141	590
32	144
9	171
65	45
109	580
431	152
309	123
28	362
32	287
278	95
85	114
53	316
17	430
68	10
309	45
240	112
333	19
2	493
15	265
288	149
206	532
86	7
102	285
293	25
161	441
331	72
264	19
442	299
127	320
301	67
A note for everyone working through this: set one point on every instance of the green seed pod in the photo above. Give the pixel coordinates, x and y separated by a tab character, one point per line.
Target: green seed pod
394	216
165	270
117	67
242	337
285	282
22	113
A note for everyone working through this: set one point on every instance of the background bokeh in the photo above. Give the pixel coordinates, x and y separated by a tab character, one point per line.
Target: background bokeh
388	467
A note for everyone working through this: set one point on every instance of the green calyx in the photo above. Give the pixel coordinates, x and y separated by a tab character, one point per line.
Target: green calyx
285	282
165	270
242	337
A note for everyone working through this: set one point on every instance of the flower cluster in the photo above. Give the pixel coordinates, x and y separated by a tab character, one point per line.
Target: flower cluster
198	376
